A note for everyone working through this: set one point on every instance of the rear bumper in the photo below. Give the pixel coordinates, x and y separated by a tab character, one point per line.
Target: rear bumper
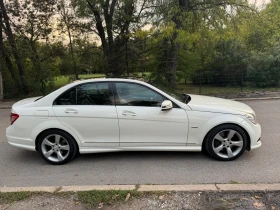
23	143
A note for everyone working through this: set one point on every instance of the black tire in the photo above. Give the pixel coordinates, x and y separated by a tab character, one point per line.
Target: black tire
66	140
211	142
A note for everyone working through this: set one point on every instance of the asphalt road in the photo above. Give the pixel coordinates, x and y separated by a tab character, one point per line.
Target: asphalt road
24	168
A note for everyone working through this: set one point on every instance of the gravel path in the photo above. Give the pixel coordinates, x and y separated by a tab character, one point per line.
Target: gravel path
172	200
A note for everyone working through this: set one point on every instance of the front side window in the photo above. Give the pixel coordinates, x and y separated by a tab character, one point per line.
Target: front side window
130	94
97	93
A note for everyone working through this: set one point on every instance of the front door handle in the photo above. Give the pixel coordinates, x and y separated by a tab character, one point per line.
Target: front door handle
125	113
71	111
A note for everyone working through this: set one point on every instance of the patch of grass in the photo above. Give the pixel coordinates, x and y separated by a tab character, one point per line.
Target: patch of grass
95	197
211	89
63	80
10	197
233	182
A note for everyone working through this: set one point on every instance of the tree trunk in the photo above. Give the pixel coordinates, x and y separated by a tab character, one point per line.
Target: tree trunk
36	61
72	53
14	48
174	62
5	56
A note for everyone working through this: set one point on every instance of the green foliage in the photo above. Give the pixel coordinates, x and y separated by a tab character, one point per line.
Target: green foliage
222	43
264	69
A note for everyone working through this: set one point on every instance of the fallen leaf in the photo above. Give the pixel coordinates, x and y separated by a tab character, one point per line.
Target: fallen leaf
273	207
244	199
257	197
100	205
161	197
258	204
127	197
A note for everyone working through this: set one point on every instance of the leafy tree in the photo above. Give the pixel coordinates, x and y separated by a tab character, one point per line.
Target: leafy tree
113	21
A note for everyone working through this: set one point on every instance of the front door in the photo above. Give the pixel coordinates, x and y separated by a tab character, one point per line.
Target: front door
89	110
141	120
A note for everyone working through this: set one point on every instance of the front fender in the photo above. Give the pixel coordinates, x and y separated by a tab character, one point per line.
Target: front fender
200	123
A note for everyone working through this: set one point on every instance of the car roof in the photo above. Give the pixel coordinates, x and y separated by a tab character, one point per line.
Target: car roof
107	80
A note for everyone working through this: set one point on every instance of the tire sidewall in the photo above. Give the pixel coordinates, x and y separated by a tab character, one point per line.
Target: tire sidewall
215	131
67	137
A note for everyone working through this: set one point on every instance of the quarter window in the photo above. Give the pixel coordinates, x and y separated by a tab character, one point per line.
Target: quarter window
130	94
67	98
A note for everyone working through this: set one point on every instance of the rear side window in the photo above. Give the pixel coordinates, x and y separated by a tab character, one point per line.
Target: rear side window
97	93
94	94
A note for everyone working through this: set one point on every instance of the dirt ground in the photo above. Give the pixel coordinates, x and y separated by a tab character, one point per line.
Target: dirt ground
153	201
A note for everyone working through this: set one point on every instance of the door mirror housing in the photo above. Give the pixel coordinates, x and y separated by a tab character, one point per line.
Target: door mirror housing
166	105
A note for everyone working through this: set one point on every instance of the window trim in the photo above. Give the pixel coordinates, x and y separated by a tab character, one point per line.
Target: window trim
116	96
110	88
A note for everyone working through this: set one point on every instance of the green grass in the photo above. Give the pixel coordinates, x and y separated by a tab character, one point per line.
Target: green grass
63	80
10	197
212	90
181	87
95	197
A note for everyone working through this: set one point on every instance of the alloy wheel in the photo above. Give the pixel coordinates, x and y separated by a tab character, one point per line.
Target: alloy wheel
227	143
55	148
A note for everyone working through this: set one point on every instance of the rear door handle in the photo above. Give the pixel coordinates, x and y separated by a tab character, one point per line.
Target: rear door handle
71	111
125	113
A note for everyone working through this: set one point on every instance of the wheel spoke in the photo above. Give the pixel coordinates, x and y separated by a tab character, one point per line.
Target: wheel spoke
57	139
218	137
237	143
231	134
59	156
219	148
229	152
49	153
64	147
47	142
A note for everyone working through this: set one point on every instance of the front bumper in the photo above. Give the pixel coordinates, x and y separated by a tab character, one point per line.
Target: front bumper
254	132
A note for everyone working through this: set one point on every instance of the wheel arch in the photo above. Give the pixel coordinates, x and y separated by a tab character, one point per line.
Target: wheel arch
245	131
54	129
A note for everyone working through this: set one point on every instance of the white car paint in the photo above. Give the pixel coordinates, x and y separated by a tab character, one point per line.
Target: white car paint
119	128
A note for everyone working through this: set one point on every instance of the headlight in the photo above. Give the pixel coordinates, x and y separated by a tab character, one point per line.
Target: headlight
252	118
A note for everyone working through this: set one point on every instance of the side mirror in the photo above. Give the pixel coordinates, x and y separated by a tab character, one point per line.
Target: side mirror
166	105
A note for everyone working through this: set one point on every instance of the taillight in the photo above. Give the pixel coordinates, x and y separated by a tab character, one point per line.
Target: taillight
13	117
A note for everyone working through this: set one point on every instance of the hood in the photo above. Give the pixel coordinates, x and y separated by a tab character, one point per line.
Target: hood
25	101
212	104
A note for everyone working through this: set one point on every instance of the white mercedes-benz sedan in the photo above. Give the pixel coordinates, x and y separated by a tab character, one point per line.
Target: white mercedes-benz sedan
108	115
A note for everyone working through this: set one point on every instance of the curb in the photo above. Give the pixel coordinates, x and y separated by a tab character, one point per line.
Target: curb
253	99
152	188
6	107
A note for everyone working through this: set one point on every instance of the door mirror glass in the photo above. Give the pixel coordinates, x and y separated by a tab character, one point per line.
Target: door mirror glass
166	105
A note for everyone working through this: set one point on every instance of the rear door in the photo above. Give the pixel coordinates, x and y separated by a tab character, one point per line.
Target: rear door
89	110
141	120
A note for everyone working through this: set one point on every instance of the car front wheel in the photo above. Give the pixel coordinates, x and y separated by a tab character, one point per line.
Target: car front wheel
57	147
226	142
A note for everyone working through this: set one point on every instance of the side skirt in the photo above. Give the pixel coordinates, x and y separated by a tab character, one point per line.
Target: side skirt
85	150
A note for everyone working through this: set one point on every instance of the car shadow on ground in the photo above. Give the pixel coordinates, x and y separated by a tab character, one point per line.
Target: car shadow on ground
24	157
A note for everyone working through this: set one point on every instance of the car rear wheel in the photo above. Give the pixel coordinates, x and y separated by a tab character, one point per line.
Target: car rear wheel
226	142
57	147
